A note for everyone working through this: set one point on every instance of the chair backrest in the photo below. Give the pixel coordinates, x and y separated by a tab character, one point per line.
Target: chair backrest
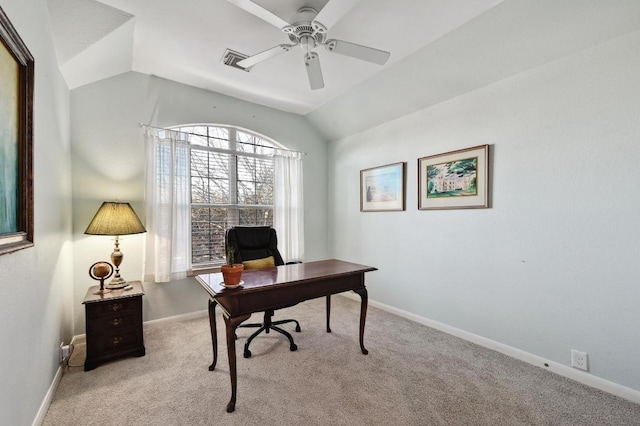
253	242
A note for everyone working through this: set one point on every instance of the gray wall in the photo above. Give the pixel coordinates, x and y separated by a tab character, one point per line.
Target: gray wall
108	163
35	283
553	264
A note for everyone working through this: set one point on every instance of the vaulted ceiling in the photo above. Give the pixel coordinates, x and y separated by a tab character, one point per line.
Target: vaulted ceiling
439	48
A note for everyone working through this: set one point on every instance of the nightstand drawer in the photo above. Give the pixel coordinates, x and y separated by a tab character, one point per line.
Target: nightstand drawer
114	323
106	344
113	307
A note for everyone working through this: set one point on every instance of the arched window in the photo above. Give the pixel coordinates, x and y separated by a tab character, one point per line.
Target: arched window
204	179
232	172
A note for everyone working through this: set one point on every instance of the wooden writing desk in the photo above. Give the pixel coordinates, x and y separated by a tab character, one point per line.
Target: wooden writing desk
275	288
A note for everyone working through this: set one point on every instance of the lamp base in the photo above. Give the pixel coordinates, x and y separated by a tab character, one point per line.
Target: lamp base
116	282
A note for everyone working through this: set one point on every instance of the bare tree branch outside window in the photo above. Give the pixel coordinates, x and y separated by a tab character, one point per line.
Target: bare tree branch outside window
231	184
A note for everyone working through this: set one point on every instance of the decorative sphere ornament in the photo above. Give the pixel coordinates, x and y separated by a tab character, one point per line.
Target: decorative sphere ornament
100	271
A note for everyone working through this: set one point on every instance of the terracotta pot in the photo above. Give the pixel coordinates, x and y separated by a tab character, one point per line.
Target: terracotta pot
231	274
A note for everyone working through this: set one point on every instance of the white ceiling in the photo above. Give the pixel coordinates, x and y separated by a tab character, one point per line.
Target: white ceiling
439	48
185	41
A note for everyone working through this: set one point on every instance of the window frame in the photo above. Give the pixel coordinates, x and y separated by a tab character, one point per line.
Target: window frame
263	143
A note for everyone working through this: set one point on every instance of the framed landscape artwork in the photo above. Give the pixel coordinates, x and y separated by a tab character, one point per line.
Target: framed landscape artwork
454	180
382	188
16	140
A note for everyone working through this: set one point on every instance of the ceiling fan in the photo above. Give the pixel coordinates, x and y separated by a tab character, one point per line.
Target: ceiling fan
307	31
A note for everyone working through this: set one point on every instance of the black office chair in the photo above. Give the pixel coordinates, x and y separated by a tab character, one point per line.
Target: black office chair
253	243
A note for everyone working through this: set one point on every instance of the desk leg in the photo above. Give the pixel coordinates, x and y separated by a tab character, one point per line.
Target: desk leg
363	316
214	332
232	324
328	313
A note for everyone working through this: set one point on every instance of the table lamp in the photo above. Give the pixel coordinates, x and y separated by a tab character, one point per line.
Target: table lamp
115	218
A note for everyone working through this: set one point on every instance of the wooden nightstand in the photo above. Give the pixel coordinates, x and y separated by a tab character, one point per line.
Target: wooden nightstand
114	325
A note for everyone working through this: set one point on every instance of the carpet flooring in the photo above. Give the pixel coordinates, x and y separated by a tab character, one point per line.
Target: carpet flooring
413	375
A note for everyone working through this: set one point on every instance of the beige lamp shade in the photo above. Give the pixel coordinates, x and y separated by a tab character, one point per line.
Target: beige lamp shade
115	218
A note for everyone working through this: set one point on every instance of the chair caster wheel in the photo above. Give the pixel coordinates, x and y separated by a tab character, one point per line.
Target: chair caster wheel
247	353
293	347
298	329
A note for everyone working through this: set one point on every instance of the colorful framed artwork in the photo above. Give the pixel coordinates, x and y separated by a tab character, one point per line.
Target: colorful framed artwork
16	140
454	180
383	188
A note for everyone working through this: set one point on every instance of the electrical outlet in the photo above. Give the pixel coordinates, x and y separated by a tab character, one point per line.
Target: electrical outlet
579	360
65	352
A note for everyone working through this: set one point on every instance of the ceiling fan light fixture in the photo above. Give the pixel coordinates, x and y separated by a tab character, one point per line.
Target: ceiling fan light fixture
307	43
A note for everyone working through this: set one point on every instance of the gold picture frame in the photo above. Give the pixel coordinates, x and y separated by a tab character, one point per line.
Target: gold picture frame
454	180
16	140
383	188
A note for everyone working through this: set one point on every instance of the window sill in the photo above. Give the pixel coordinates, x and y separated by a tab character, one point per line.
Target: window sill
206	270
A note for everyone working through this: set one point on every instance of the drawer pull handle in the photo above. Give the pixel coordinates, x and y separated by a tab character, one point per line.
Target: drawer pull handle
116	322
116	341
116	307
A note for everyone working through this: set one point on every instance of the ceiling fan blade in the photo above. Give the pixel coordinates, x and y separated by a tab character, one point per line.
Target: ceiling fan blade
314	72
263	56
261	13
358	51
334	10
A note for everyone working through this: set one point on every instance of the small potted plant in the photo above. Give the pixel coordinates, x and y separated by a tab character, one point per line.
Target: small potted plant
231	272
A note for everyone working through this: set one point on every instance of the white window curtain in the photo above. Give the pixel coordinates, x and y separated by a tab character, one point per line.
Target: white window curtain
288	209
168	245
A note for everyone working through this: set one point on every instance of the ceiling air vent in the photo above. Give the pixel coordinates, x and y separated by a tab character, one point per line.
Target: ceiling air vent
231	58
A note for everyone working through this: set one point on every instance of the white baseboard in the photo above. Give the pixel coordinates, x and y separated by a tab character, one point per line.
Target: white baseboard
558	368
81	338
176	318
44	407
